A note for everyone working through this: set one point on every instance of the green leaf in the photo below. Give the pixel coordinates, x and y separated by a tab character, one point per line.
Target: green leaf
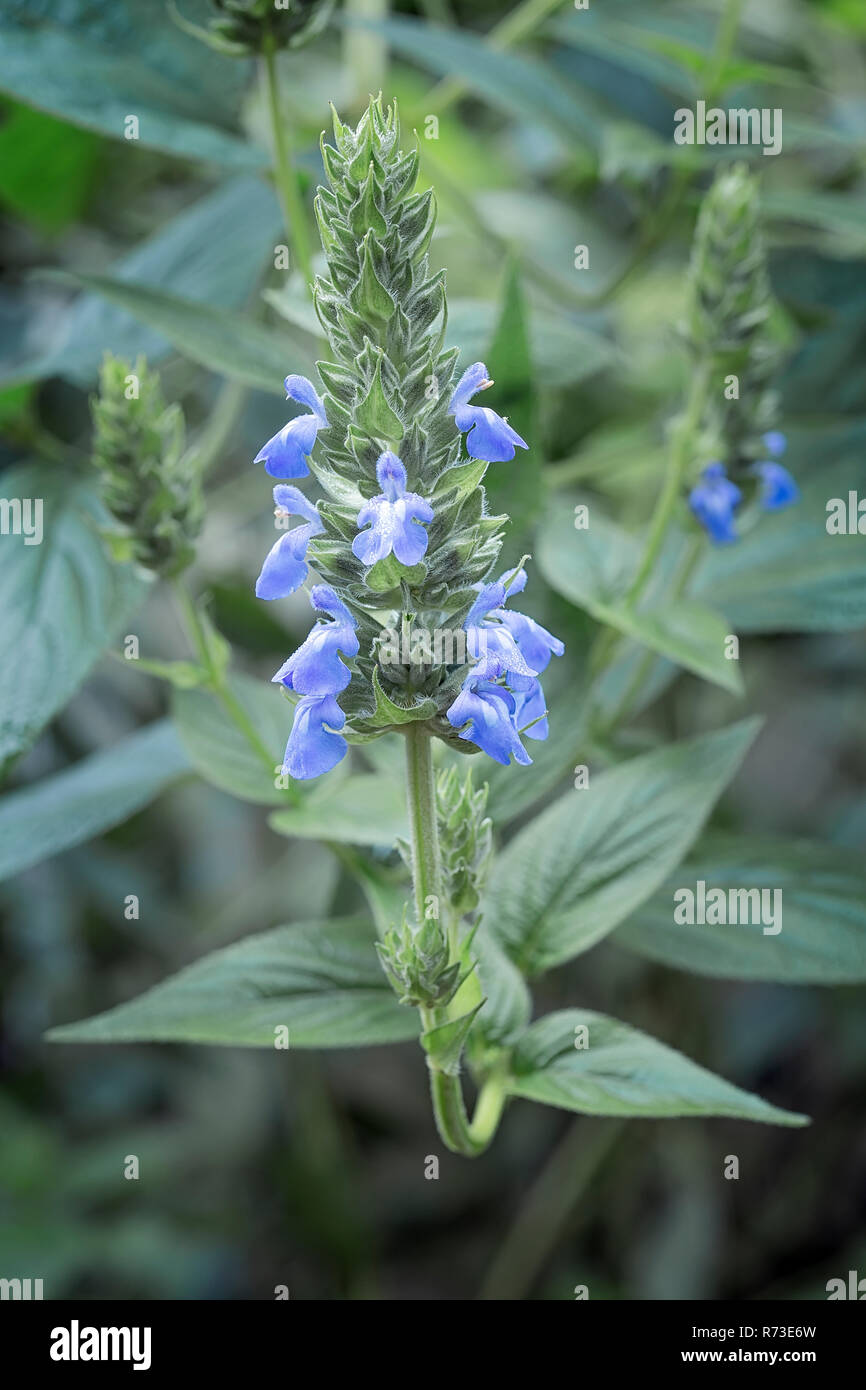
62	602
621	1071
508	1006
520	87
509	361
221	752
362	809
841	216
96	794
823	914
70	76
446	1042
320	980
211	252
563	349
593	567
593	856
221	341
788	574
374	414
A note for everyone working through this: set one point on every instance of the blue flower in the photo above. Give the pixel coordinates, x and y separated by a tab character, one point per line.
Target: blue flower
775	443
394	518
535	644
312	749
714	500
315	668
530	707
285	567
489	436
778	488
285	456
512	641
488	711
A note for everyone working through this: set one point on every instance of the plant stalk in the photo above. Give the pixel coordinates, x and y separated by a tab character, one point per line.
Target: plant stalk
456	1131
285	175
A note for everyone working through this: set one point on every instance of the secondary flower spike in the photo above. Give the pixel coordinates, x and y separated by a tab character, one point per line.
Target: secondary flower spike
285	567
393	517
286	454
488	435
714	500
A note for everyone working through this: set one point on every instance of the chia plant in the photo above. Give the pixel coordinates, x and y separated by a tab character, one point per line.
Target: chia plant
394	537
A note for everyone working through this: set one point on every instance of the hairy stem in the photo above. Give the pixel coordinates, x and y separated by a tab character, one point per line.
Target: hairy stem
679	458
232	706
446	1092
285	176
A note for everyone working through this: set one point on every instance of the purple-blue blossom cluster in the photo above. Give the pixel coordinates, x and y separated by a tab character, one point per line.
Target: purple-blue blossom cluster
501	697
715	498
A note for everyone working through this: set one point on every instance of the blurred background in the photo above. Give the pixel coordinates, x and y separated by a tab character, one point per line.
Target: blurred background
552	130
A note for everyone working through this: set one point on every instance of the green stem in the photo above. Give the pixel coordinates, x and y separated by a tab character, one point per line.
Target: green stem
286	178
678	461
446	1092
729	23
220	688
421	790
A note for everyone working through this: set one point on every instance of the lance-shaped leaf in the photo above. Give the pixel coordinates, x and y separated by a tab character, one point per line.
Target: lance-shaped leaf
365	809
85	800
62	600
578	870
319	980
578	1060
222	342
813	932
593	567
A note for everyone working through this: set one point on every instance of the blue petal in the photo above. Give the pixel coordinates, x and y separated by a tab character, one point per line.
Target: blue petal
391	474
316	668
495	650
286	454
714	501
285	567
778	487
487	710
490	436
530	707
775	442
292	500
475	378
536	644
393	518
312	749
302	390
